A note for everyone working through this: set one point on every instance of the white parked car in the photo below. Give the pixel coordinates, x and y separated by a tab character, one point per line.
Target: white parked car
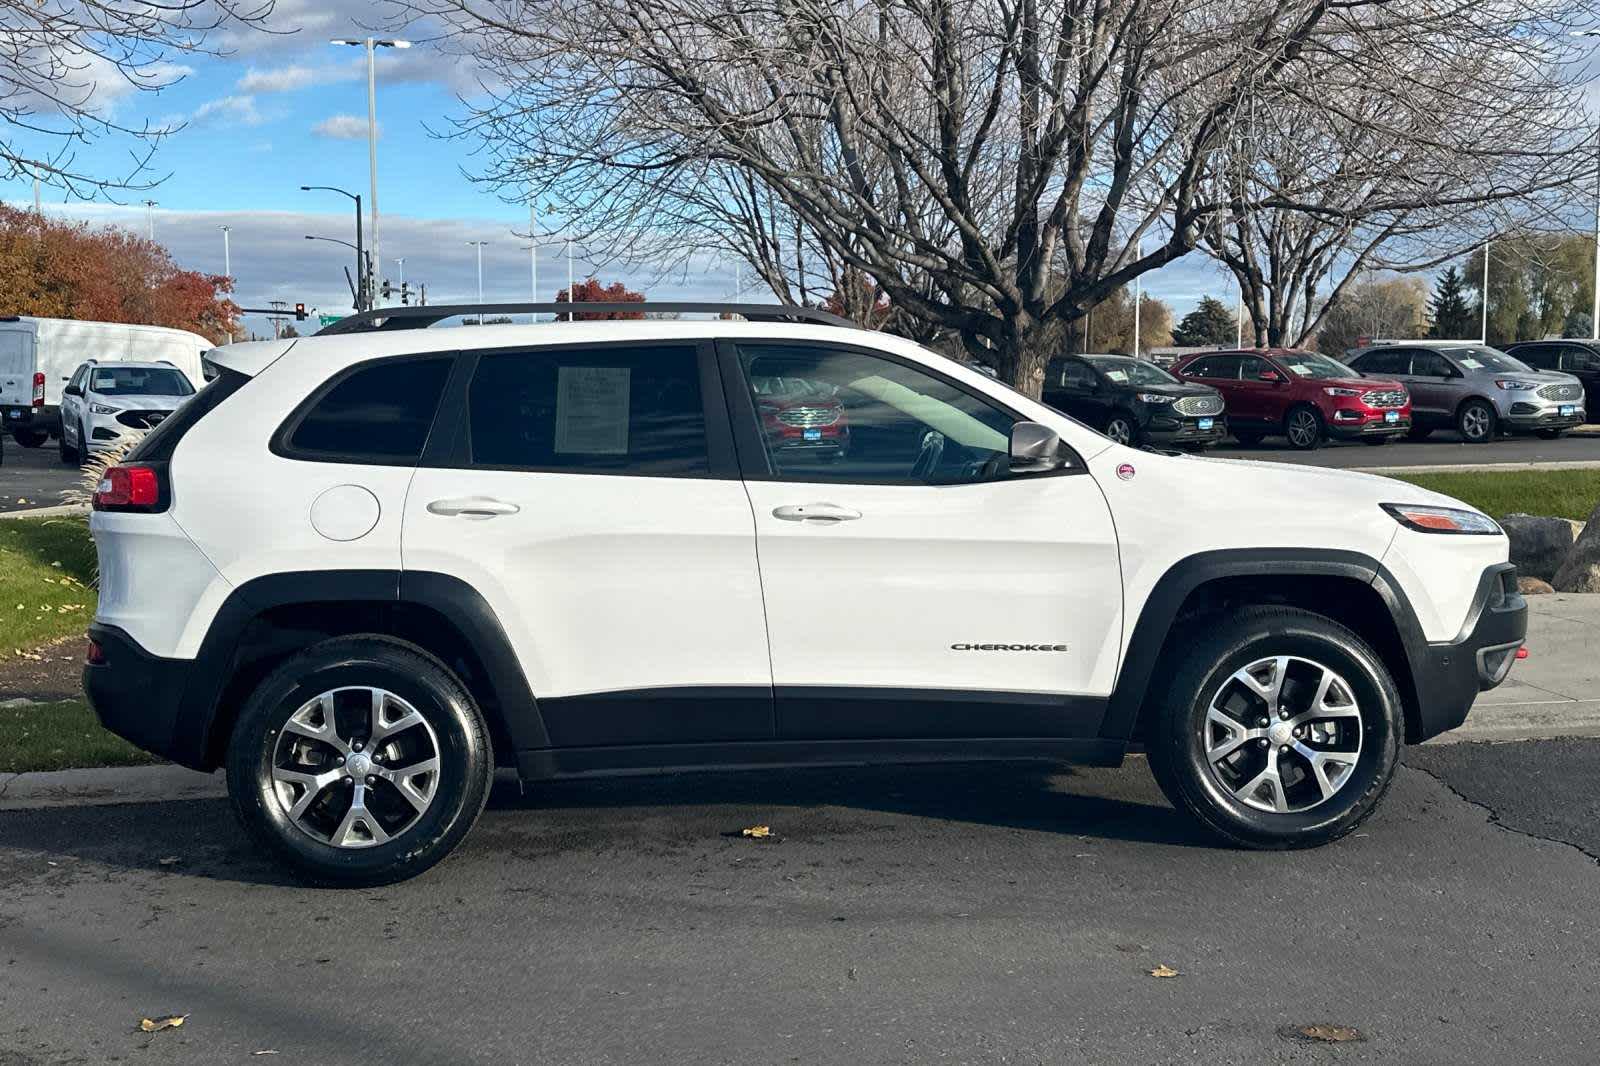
102	403
362	569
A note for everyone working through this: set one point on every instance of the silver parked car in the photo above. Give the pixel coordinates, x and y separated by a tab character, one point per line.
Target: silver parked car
1478	391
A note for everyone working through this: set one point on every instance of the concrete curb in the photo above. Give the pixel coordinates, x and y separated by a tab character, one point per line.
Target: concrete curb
1467	468
64	510
106	785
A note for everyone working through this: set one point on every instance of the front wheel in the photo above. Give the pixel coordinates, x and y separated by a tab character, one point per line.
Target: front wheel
1303	427
69	454
1122	429
360	761
1279	729
1476	422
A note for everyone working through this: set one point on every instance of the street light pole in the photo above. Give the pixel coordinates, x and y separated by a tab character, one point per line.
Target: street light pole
1138	298
227	266
572	295
370	44
150	218
400	270
363	281
1483	330
479	245
1594	314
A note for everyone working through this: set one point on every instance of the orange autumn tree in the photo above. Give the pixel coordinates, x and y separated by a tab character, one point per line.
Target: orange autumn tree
56	269
590	291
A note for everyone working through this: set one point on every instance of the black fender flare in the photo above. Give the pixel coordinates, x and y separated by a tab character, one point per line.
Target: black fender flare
1160	613
453	599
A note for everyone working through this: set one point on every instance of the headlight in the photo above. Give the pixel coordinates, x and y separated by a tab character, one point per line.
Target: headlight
1336	391
1154	397
1426	519
1516	386
102	409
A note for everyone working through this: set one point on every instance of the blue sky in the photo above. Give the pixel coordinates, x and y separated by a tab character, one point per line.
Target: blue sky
287	108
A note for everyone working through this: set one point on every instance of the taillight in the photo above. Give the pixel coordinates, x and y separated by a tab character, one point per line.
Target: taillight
129	488
38	388
94	654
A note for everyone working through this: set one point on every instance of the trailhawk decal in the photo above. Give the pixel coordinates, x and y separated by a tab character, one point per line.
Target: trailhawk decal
1008	647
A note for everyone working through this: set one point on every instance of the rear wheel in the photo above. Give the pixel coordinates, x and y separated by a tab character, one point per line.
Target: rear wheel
1280	728
360	761
1476	422
1303	426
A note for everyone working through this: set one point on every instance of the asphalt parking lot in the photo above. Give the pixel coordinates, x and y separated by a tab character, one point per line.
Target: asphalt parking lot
964	914
33	477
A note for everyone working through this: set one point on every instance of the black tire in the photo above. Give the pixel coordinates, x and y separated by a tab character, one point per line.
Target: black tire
1123	428
1419	432
1302	426
1550	434
1212	648
1247	438
69	454
466	760
30	438
1477	422
84	454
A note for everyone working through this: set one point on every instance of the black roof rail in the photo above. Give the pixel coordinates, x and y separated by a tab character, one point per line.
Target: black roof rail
421	317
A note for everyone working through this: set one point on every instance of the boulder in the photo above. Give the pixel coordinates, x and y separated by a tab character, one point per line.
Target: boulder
1538	545
1581	570
1532	586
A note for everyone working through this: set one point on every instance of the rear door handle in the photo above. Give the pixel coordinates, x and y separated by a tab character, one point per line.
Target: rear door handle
472	507
815	512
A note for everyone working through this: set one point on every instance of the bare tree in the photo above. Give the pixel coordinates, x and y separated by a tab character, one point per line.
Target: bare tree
65	63
990	164
1401	143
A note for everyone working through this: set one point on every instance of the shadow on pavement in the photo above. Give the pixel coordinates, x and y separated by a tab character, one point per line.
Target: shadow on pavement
205	840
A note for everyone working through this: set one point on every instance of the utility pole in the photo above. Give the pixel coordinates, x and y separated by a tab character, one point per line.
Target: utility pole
1138	298
571	282
533	257
1238	339
36	208
479	245
150	218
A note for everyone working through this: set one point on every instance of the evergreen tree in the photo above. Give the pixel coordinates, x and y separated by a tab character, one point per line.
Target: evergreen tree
1207	326
1448	309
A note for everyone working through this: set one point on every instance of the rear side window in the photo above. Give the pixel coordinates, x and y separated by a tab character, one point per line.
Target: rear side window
1391	361
617	410
379	413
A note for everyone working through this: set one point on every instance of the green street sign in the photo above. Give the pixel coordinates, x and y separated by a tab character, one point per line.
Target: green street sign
328	320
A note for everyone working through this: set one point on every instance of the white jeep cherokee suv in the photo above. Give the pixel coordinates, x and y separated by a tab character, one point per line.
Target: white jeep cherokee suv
361	570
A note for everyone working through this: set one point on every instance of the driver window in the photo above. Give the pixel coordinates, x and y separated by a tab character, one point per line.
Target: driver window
835	415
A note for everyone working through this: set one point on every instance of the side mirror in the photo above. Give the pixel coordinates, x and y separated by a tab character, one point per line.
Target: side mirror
72	390
1036	448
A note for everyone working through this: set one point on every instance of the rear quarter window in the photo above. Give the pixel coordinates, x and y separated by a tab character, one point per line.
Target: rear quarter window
374	413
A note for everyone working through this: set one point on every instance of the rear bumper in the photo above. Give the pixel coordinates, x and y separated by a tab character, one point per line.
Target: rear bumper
1449	676
20	416
138	696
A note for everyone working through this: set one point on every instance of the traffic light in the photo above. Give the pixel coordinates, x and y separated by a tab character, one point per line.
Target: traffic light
387	289
300	312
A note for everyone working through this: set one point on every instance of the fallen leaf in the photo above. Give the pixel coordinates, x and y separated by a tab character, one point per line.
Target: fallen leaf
155	1025
265	1051
1163	971
758	832
1324	1033
170	860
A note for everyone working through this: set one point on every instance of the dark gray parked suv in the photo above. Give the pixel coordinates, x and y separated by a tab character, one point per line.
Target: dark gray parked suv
1478	391
1581	359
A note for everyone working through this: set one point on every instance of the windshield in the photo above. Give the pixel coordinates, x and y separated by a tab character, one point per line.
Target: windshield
1316	366
138	381
1131	371
1476	357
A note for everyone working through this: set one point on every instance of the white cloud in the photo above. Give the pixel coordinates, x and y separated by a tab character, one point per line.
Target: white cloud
343	128
292	77
233	109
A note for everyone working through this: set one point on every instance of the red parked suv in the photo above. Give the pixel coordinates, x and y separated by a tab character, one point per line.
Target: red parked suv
1305	396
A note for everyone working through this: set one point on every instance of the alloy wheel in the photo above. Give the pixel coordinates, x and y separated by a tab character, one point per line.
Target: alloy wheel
1120	431
1283	734
1303	429
355	767
1475	422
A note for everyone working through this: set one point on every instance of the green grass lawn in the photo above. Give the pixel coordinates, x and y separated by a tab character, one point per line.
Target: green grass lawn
46	567
1557	493
60	736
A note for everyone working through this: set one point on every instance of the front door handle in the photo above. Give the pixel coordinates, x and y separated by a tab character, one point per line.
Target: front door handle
472	507
815	512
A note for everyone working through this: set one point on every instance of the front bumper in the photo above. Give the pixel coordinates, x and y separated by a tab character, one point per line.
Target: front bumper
1366	424
1449	676
1183	429
1543	414
139	696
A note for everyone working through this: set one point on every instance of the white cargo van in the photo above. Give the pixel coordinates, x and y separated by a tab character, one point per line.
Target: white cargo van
38	355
